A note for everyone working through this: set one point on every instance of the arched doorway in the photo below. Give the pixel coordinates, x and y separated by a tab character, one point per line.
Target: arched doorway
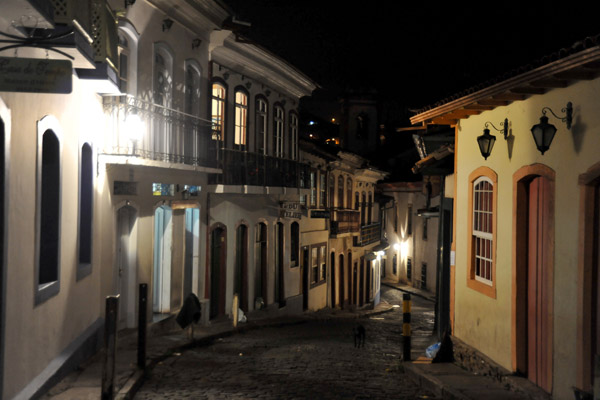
260	253
126	260
218	273
163	230
342	282
361	290
241	266
279	270
333	281
588	304
192	250
305	276
533	273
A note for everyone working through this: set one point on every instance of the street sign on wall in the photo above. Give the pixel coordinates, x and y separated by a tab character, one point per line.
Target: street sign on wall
290	209
35	75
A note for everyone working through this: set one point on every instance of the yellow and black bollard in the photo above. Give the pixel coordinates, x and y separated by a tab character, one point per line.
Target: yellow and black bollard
406	303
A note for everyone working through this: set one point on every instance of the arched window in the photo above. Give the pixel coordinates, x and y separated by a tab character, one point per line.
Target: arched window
241	119
192	135
356	200
48	205
482	246
349	193
192	88
123	62
127	59
340	199
295	244
369	208
261	126
218	111
86	193
163	76
278	132
363	208
293	136
331	190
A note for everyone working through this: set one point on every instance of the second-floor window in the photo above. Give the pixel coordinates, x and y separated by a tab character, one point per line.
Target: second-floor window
293	136
192	90
218	111
241	119
323	189
123	62
349	193
278	132
163	79
313	188
340	199
261	126
331	190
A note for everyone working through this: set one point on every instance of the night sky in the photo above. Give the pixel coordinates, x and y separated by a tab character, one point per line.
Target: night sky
417	52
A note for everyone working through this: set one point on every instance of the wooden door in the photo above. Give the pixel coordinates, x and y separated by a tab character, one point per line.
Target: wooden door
342	283
333	282
218	273
539	349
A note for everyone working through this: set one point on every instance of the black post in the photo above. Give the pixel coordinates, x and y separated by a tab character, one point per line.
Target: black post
406	304
110	346
142	312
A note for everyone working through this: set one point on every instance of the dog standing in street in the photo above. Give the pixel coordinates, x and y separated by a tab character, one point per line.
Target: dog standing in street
359	335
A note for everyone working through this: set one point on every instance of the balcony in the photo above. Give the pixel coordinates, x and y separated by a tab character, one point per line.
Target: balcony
369	234
105	41
140	129
253	169
344	222
54	30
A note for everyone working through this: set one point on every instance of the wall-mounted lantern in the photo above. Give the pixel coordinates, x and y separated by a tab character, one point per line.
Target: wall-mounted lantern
543	133
486	141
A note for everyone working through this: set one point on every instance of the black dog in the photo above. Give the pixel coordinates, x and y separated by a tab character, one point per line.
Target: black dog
359	335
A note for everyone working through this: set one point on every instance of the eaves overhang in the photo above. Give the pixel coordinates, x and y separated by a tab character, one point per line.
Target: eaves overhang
582	65
254	61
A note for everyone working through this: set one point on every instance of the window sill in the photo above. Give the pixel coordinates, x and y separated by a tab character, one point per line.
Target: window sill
46	291
485	289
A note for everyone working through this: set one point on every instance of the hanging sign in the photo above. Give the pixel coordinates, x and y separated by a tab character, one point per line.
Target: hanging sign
290	210
320	214
35	75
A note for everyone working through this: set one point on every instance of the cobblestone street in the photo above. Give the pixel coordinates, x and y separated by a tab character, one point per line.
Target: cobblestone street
314	359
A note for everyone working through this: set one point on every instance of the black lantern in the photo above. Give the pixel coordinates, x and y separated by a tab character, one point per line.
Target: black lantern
544	132
486	143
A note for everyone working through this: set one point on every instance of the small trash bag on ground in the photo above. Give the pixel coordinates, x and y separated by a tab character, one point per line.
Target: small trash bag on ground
241	316
432	350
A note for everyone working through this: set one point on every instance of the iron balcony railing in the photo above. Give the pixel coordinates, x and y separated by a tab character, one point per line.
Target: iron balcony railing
143	129
245	168
369	234
345	221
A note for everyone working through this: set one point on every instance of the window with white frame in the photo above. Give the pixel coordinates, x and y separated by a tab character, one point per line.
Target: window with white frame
313	188
278	132
241	119
261	126
163	77
218	111
314	251
482	229
323	262
323	189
